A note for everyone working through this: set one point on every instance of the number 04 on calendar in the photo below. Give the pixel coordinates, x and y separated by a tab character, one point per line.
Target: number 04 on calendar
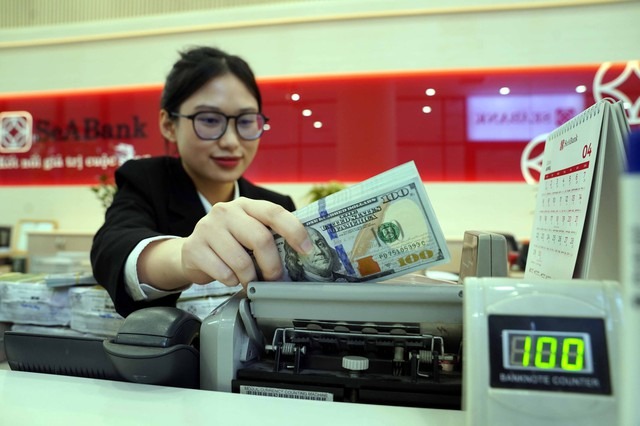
576	217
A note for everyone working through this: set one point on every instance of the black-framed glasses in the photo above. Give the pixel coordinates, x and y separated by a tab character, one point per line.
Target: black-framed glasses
210	125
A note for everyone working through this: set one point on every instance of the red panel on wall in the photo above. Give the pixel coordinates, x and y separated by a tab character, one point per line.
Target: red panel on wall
456	125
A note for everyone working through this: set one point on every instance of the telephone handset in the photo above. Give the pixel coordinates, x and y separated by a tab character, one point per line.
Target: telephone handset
159	346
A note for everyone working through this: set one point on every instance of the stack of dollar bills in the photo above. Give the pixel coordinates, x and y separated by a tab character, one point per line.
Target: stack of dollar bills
381	228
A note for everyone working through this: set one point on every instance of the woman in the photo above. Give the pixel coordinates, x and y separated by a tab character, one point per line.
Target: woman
194	219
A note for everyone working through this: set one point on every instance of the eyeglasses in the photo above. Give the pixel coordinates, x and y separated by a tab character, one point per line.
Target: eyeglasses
210	125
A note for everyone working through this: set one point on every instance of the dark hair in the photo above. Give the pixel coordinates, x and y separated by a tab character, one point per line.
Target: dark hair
196	67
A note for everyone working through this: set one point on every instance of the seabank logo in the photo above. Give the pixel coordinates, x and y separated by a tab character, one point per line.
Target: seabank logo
614	88
89	129
531	159
15	132
18	130
563	115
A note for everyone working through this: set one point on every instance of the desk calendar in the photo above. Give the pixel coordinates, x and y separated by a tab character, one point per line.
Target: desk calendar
575	227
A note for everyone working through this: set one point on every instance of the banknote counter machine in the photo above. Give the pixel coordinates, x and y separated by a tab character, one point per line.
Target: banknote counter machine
391	344
399	342
531	352
396	342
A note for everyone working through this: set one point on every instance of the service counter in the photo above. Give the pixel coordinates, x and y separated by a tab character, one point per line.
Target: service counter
35	399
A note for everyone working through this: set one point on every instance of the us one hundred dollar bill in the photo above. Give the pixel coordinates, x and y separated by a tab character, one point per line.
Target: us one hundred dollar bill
378	229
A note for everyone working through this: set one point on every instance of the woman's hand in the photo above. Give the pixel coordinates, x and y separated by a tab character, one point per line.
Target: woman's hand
218	248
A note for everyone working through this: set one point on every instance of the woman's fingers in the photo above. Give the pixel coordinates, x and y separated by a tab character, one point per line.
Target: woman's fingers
258	240
257	234
280	220
202	265
226	242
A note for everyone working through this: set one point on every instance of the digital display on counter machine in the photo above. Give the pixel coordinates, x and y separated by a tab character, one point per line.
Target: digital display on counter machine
561	354
546	351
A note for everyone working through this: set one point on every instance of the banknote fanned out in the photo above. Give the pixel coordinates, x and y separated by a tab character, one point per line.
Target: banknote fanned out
380	228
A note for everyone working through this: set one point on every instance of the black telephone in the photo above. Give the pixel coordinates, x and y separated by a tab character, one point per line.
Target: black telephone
158	345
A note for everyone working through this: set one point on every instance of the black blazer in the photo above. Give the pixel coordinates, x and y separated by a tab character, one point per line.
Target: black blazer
155	197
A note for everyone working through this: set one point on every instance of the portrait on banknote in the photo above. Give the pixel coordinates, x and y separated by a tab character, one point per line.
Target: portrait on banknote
322	264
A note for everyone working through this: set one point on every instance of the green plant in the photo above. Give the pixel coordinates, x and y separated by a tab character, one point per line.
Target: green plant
105	191
322	190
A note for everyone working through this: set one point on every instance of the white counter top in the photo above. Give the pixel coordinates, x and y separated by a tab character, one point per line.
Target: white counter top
35	399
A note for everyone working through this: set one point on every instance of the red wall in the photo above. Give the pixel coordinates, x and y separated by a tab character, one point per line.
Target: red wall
369	123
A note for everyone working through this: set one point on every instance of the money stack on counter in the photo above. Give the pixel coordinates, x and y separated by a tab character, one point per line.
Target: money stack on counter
381	228
93	312
26	299
52	304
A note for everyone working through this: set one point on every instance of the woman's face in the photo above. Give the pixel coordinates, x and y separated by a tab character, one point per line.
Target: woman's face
222	160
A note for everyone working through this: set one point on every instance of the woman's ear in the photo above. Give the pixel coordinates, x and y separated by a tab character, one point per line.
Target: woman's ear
167	126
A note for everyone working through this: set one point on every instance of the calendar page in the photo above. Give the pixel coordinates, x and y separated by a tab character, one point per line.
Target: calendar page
564	193
599	249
